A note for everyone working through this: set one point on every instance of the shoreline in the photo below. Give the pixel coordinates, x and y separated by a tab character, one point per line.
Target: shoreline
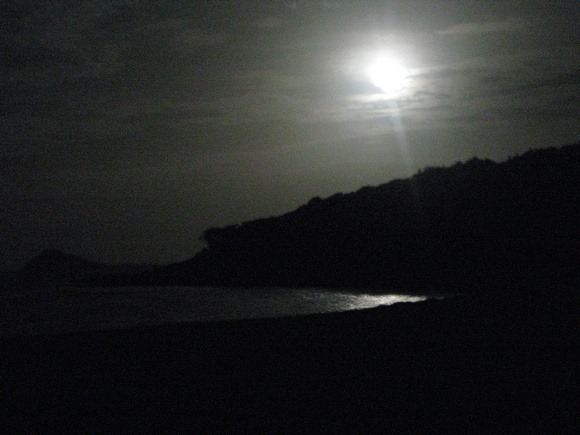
439	365
229	304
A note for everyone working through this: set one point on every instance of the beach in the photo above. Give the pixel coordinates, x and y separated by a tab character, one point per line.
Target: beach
458	364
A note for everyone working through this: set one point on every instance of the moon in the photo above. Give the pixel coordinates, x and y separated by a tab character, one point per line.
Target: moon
388	75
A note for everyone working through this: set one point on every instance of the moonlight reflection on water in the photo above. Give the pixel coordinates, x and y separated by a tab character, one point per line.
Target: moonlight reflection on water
70	309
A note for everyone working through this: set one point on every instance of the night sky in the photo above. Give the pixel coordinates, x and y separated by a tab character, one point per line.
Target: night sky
127	128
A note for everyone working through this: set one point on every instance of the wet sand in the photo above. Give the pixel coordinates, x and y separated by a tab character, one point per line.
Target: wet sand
460	364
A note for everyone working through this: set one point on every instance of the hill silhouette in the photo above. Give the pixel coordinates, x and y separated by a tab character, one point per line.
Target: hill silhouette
477	226
53	262
53	266
474	226
505	363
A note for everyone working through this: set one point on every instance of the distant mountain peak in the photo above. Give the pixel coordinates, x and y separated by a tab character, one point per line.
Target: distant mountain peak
55	261
56	266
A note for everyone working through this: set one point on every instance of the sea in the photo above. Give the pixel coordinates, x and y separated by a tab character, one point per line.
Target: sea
74	309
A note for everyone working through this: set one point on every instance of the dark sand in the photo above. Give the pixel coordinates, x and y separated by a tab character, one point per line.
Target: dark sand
438	366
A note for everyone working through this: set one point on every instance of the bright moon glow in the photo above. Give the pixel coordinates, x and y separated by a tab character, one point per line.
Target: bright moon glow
388	75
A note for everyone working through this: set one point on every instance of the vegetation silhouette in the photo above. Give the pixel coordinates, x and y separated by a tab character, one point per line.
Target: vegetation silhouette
502	362
474	226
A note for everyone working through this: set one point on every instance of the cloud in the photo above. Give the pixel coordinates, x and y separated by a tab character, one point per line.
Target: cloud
316	4
267	22
474	28
567	81
181	32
